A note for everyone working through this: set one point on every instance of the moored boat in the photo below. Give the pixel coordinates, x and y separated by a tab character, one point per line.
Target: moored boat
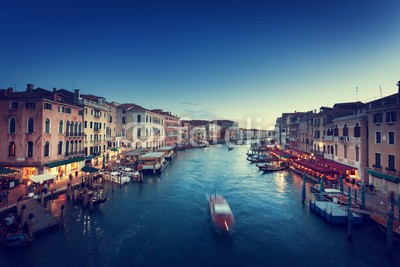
153	162
221	213
169	152
16	240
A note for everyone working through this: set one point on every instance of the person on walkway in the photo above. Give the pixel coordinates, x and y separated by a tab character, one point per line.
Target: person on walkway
45	186
70	177
76	174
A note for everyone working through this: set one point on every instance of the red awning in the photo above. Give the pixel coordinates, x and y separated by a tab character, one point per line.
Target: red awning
317	168
342	168
283	154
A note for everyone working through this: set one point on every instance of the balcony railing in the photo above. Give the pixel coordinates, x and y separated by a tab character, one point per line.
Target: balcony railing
328	138
68	134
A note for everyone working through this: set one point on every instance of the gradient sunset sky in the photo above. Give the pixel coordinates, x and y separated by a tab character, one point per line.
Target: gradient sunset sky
206	59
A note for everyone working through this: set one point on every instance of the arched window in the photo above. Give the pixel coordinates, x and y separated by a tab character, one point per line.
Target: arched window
30	126
357	130
66	148
11	125
76	145
138	133
123	132
29	153
71	128
139	118
60	145
123	120
47	126
47	149
61	127
345	130
80	129
80	147
336	131
67	129
71	146
76	128
11	149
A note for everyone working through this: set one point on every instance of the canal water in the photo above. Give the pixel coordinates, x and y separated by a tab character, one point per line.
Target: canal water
166	222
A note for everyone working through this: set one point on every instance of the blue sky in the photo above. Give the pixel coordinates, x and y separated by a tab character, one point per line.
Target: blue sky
242	60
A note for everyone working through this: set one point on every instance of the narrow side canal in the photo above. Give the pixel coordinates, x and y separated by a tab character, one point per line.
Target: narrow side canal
166	222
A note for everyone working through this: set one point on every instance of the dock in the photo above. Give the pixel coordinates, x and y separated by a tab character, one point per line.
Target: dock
333	213
43	220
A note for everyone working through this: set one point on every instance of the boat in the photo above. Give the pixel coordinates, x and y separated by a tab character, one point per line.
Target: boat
118	178
273	167
333	213
230	148
221	213
16	240
98	196
169	152
153	162
259	159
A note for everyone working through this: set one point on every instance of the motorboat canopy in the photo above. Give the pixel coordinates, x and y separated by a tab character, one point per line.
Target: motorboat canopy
222	208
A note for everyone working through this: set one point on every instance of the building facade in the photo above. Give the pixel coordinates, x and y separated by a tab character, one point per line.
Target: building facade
139	127
384	143
44	132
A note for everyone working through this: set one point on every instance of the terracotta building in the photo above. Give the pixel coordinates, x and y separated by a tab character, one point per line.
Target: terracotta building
43	132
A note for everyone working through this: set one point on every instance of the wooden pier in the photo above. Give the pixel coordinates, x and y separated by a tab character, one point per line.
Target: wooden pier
43	220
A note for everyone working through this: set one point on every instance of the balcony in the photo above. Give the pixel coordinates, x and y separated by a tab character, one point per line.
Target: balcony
68	134
328	138
343	138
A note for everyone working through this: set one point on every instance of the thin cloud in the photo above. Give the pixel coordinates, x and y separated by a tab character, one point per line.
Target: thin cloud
189	103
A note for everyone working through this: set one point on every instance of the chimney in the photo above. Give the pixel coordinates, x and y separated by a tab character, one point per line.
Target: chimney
9	90
29	87
54	89
76	96
398	93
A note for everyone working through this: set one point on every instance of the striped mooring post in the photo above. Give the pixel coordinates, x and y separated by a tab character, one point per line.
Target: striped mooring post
303	191
389	232
349	217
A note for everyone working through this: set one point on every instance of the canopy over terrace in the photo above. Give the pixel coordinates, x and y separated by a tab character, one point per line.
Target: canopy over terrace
341	168
312	167
5	172
42	177
89	169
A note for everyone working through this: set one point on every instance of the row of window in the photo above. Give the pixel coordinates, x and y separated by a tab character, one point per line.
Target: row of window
70	147
148	132
390	138
71	127
391	162
390	117
149	119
